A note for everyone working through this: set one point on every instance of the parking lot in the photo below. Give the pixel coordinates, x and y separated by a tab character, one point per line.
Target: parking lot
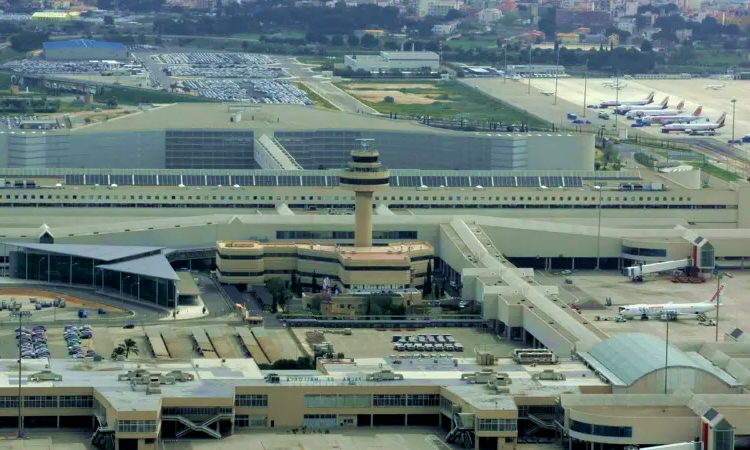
247	90
41	67
214	59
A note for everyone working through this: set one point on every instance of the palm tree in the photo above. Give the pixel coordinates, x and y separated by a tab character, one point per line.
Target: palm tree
119	350
130	346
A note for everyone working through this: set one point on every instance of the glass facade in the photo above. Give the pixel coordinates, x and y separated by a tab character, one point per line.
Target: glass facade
343	235
207	149
650	252
67	269
497	425
253	401
76	401
136	426
600	430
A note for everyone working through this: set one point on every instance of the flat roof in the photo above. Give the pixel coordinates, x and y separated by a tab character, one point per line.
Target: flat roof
186	285
155	266
98	252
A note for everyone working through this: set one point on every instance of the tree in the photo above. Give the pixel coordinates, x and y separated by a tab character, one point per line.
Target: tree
118	351
314	283
109	20
130	347
337	40
352	41
280	293
646	46
316	302
369	41
427	284
112	103
388	99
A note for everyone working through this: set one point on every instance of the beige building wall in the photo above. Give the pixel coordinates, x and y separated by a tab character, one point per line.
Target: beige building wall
655	425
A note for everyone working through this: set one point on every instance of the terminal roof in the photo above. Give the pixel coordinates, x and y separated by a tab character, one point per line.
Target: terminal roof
98	252
155	266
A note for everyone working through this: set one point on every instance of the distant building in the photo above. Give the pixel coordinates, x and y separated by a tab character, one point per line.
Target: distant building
444	29
545	69
84	49
490	15
393	60
55	16
576	18
626	24
437	7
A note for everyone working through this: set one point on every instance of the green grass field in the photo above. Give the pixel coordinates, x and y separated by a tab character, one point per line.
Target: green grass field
452	100
716	171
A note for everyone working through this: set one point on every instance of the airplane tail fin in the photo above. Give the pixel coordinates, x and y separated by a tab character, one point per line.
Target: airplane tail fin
665	102
681	105
720	123
650	97
698	111
717	295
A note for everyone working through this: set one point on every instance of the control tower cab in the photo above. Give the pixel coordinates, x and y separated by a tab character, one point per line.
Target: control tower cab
364	176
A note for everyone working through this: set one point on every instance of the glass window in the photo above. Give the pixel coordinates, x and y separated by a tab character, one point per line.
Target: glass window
601	430
39	401
388	400
497	425
76	401
136	426
254	401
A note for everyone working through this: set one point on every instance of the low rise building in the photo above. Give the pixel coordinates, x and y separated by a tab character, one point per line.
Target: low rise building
444	29
386	61
437	7
490	15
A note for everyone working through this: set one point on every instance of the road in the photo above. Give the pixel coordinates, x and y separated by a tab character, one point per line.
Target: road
253	306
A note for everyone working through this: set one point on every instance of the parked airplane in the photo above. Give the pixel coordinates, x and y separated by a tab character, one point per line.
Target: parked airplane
623	109
614	83
635	113
695	127
547	92
666	119
716	87
647	101
672	310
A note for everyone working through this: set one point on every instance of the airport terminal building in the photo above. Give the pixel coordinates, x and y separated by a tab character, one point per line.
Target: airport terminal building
190	136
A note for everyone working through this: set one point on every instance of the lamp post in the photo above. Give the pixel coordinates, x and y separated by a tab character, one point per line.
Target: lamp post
598	226
39	266
734	108
20	315
122	280
505	56
719	289
666	357
557	73
528	91
136	284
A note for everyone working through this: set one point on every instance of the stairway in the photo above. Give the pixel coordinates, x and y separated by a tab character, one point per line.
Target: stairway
204	427
542	424
533	430
104	438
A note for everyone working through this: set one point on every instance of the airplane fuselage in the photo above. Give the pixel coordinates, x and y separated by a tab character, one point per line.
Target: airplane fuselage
684	310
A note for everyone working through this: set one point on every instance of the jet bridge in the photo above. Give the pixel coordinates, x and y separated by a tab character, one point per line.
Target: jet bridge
640	270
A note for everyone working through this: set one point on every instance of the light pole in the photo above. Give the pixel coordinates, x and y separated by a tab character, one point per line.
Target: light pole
719	290
122	280
138	283
528	91
557	72
39	266
598	226
734	108
666	357
20	315
505	56
617	95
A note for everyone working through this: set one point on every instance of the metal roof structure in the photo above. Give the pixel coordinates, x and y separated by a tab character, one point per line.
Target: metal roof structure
98	252
82	43
628	357
155	266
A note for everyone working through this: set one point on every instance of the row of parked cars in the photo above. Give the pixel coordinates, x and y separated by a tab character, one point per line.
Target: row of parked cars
73	336
208	59
248	90
37	67
225	72
33	343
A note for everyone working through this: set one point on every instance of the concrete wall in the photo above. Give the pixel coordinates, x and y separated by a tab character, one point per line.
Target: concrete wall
560	151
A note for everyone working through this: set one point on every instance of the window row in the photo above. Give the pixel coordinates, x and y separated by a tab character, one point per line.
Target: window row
136	426
497	425
246	421
40	401
601	430
252	400
295	234
204	411
537	198
76	401
378	400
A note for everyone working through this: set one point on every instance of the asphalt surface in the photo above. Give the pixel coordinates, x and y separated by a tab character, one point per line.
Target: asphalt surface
253	306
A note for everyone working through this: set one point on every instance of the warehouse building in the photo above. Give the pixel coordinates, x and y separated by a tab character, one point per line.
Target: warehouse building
84	50
55	16
387	61
203	136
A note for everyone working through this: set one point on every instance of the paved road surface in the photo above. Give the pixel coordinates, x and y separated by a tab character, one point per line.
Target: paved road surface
339	98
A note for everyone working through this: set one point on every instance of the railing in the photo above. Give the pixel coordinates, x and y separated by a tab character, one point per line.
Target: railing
203	427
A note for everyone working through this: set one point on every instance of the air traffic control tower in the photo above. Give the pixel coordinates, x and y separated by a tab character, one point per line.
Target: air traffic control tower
364	176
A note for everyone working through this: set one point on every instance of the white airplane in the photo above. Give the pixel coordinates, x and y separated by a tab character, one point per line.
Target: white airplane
716	87
623	109
672	309
516	78
695	127
547	92
635	113
666	119
647	101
